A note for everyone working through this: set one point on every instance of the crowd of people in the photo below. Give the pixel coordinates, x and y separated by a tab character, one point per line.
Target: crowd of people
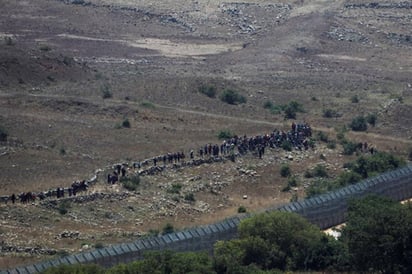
298	138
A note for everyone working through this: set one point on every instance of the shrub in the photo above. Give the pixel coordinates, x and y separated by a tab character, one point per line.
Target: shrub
268	105
331	144
232	97
241	209
348	147
359	124
292	182
175	188
147	104
291	109
371	119
168	228
130	182
106	92
62	151
286	145
320	171
285	171
410	154
3	134
126	123
354	99
322	136
190	197
290	113
64	207
209	91
225	134
330	113
99	245
45	48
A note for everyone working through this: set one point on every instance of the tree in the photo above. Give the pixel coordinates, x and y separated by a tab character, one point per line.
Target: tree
378	234
232	97
285	171
371	119
359	124
285	241
3	134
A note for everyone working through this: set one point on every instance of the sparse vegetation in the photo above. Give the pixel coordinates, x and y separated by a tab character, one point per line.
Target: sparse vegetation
64	207
285	170
359	124
106	92
286	145
175	188
241	209
362	168
208	90
44	48
190	197
330	113
232	97
147	104
3	134
371	119
168	228
130	182
126	123
225	134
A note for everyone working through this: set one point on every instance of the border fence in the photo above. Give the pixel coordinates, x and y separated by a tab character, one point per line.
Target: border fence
325	210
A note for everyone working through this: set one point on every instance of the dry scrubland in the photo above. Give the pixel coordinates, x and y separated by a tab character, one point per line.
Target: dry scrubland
59	58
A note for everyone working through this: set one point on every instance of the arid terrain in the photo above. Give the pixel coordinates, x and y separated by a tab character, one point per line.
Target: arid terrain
72	71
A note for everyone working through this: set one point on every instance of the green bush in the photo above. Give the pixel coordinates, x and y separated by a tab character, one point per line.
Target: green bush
320	171
175	188
190	197
291	109
285	171
168	228
371	119
330	113
322	136
147	104
268	105
241	209
64	207
292	182
106	92
3	134
232	97
126	123
45	48
130	182
209	91
99	245
331	144
225	134
286	145
349	147
359	124
354	99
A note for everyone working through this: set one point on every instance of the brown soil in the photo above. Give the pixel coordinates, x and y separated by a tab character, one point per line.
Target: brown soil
57	59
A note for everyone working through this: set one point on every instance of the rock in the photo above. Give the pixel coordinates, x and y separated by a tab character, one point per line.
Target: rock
244	197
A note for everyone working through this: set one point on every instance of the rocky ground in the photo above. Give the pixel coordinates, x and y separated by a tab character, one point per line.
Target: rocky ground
72	71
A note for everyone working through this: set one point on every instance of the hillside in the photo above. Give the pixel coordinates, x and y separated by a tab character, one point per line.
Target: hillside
72	72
